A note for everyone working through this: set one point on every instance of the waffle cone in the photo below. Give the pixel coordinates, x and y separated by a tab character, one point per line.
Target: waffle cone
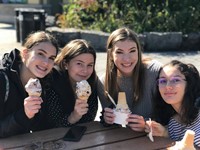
35	94
85	98
187	143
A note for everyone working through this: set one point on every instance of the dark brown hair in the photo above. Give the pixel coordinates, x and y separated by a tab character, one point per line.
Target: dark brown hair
38	37
188	111
72	50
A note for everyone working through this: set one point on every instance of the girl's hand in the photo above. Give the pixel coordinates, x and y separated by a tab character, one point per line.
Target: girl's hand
136	122
80	109
157	129
32	105
108	116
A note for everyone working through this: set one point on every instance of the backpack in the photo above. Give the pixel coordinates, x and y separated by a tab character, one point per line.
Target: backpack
6	80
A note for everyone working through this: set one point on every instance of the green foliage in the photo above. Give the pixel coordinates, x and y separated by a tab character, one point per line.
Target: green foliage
140	15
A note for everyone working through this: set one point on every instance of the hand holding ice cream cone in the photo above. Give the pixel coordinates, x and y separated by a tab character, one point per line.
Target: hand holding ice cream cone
32	104
83	92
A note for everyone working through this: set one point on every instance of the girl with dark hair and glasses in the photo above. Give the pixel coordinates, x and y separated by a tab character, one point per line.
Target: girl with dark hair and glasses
175	109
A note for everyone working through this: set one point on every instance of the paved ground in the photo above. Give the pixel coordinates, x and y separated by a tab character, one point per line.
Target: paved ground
8	42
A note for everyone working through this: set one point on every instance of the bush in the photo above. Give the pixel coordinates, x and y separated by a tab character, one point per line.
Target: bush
139	15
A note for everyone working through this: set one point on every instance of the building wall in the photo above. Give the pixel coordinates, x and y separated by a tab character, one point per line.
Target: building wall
7	11
7	7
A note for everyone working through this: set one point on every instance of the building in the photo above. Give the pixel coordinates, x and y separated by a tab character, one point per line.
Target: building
7	7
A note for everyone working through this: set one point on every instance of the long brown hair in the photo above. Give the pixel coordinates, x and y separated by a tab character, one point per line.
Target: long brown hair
123	34
37	37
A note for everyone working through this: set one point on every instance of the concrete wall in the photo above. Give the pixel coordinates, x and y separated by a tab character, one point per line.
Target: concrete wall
151	41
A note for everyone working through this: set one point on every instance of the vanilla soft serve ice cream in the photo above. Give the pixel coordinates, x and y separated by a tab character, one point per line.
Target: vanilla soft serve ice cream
122	110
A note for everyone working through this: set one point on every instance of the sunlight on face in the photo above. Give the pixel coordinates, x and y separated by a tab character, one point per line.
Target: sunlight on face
175	85
125	56
39	60
81	67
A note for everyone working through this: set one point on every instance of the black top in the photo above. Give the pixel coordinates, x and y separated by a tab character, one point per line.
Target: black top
61	100
13	119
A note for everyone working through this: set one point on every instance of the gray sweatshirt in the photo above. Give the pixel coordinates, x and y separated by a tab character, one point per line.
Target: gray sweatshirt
144	105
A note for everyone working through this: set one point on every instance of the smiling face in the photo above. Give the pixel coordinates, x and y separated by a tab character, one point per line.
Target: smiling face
80	67
39	60
125	56
172	86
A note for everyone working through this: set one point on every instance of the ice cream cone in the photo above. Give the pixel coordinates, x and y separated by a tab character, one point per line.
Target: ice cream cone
187	143
33	87
122	100
188	139
35	94
83	90
85	98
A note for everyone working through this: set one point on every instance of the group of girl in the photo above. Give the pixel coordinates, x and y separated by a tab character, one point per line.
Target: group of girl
167	94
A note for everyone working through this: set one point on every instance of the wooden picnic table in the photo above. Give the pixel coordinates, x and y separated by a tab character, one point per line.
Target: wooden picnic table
96	137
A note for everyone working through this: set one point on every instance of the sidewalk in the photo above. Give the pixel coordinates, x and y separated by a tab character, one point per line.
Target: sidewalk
7	38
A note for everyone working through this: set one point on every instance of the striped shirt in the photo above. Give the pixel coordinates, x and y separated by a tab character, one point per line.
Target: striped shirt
177	130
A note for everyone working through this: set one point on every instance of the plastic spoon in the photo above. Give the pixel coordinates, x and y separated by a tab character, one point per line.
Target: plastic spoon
150	133
111	99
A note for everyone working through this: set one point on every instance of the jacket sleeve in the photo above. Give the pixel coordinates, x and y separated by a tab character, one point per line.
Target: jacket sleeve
14	122
9	126
17	123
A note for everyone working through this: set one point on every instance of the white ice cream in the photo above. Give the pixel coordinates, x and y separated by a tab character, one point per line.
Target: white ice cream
83	90
33	87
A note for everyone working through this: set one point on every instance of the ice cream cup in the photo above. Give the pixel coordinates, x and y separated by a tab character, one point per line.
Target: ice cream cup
120	117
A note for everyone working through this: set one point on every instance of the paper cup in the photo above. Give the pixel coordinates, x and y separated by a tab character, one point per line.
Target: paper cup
120	118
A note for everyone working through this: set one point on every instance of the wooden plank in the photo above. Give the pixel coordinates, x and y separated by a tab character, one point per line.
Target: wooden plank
46	136
141	143
97	126
94	139
35	137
